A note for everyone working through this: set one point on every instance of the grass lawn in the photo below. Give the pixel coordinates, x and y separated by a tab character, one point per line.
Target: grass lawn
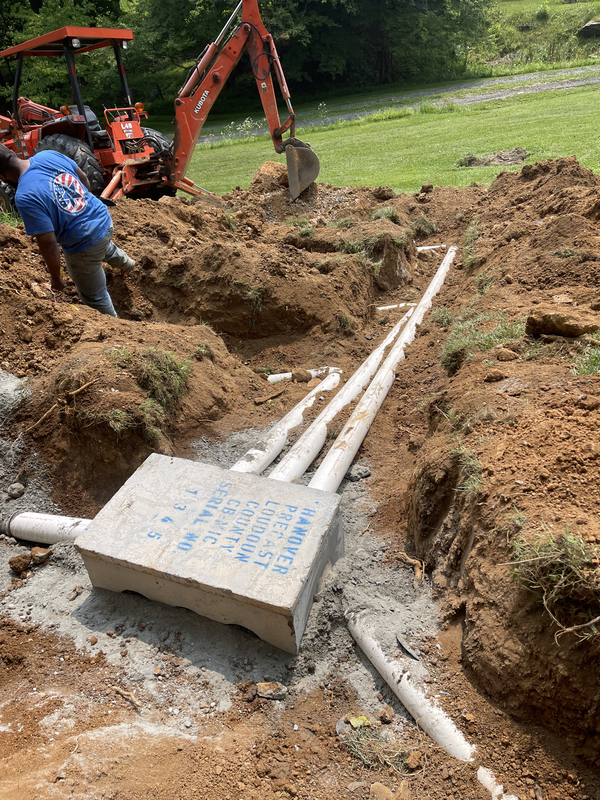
531	6
421	148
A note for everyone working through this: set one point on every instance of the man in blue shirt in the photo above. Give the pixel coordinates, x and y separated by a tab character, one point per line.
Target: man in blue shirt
56	206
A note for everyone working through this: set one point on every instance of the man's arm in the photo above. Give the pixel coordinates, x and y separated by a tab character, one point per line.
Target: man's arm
84	179
51	254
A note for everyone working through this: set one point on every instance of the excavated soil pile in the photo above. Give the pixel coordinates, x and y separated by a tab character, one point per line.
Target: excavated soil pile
486	444
502	446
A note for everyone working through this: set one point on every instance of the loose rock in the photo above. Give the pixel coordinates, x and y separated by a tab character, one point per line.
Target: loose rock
15	490
380	792
301	376
494	375
551	321
19	564
272	690
40	555
504	354
358	473
414	760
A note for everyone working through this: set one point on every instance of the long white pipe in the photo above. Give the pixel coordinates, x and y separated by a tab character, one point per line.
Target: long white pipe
272	443
337	461
309	445
286	376
45	528
398	305
429	716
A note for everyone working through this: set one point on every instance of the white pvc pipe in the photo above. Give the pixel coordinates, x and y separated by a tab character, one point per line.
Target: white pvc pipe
487	779
309	445
339	458
272	443
398	305
46	528
431	247
429	716
287	376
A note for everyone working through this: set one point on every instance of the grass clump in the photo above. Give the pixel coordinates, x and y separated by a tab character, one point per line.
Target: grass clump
157	371
344	222
231	221
422	226
254	296
327	266
203	351
369	244
162	375
389	212
442	316
346	323
468	336
562	571
9	218
470	478
472	258
375	750
484	282
568	252
305	229
588	361
154	418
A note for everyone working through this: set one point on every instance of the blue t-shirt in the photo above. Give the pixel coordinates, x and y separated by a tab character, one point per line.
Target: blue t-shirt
51	198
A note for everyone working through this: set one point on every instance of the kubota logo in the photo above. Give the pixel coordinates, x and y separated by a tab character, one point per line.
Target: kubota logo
201	101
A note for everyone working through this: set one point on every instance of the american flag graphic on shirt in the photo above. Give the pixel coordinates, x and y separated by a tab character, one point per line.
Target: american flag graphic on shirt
68	193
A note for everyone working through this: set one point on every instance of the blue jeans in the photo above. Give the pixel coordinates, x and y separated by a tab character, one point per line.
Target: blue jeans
86	271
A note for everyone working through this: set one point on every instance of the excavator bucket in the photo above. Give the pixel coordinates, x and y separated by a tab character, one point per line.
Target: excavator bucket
302	165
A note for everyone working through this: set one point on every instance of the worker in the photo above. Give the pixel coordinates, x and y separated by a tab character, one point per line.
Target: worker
55	203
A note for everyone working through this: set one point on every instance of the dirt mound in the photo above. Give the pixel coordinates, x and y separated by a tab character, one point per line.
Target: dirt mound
502	158
249	264
494	469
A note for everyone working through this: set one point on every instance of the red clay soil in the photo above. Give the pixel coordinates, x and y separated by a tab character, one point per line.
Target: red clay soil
297	286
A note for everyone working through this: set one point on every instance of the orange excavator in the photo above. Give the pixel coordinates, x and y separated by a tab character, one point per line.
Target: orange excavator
125	158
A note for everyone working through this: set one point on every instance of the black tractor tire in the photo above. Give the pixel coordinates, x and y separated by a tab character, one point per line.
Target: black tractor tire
81	153
7	199
158	142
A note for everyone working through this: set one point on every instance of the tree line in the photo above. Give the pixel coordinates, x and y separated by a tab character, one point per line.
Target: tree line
325	45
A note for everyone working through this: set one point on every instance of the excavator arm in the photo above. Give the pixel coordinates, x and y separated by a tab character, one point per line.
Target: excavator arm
206	80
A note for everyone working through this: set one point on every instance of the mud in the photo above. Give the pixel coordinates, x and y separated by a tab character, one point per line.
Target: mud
295	287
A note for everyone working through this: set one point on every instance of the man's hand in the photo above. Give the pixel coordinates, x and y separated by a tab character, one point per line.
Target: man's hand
51	254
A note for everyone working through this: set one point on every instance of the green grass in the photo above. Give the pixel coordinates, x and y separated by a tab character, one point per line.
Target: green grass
410	150
510	7
471	475
471	334
8	218
588	362
157	371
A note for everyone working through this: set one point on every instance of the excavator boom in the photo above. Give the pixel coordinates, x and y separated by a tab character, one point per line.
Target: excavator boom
206	80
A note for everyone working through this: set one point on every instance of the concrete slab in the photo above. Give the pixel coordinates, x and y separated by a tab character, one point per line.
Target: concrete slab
236	548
